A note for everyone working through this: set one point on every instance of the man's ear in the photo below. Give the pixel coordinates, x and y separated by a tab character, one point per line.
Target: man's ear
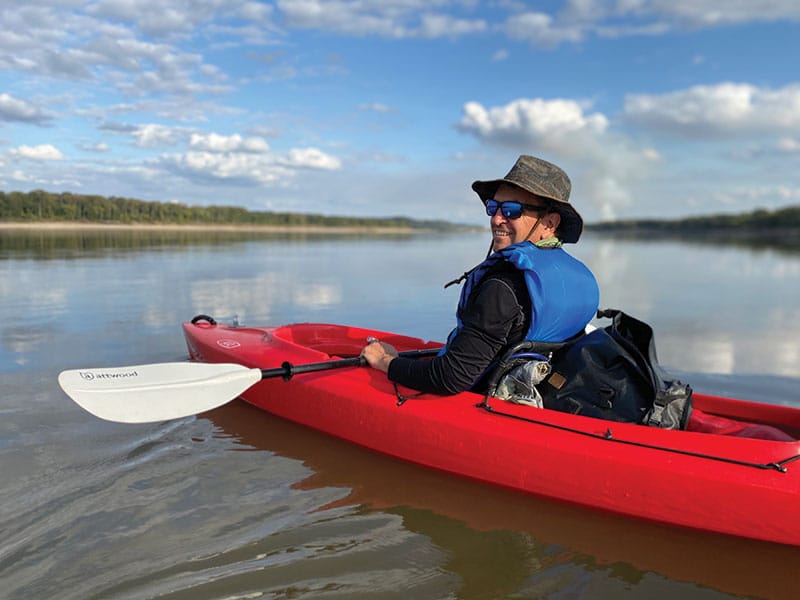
551	221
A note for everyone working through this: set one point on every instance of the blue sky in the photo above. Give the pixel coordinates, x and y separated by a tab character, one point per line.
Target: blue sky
655	108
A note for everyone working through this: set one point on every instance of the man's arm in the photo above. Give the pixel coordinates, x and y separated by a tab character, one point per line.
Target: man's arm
490	322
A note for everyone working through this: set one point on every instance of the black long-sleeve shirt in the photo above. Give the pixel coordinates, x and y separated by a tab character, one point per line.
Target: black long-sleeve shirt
496	316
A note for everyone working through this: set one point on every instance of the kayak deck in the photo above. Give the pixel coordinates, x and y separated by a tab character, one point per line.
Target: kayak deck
740	486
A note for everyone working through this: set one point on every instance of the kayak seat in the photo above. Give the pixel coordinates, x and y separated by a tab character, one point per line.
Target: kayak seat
703	422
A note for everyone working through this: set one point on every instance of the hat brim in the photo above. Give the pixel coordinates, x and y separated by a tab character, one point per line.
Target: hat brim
571	227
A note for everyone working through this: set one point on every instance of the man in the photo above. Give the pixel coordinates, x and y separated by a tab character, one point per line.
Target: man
528	288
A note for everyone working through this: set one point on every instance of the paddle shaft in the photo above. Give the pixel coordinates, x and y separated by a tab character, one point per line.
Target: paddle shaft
287	370
158	392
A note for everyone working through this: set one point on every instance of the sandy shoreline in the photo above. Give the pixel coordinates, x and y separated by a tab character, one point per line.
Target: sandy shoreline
76	226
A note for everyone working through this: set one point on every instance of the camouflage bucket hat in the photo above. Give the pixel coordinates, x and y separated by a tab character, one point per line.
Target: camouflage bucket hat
544	179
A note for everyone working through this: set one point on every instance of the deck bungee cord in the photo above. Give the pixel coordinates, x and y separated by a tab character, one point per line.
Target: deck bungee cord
609	437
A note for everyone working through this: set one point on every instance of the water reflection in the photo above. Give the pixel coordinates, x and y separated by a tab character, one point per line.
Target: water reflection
786	240
240	296
715	309
58	243
55	242
503	544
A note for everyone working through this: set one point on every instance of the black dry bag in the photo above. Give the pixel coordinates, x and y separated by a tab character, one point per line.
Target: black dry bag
613	373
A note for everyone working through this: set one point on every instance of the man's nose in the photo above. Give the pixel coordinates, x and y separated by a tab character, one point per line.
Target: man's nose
498	218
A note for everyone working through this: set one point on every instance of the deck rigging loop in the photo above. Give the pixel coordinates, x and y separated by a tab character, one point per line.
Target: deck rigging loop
401	399
779	466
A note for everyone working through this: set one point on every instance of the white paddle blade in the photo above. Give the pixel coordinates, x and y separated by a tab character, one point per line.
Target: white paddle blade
157	392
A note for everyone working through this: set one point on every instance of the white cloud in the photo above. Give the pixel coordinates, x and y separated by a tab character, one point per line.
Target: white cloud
246	167
722	109
376	107
170	19
232	166
213	142
435	26
712	12
541	29
108	42
153	135
21	176
95	147
500	55
740	197
580	19
604	165
341	16
404	19
255	11
313	158
40	152
543	122
651	154
789	145
16	109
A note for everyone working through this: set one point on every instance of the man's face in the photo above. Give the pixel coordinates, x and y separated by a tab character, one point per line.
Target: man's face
507	231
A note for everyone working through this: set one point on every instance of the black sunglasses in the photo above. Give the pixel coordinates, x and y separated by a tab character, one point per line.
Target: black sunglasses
511	210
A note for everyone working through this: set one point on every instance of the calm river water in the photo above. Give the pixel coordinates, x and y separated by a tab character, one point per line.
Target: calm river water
235	503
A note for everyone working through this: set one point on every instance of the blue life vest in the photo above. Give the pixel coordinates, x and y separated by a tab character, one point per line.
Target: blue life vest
563	292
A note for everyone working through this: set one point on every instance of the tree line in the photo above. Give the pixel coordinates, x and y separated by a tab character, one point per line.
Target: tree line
39	205
783	219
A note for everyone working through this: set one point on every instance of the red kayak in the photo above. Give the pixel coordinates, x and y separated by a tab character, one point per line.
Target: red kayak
741	486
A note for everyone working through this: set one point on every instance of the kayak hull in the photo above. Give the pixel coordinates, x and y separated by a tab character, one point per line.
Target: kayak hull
732	485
